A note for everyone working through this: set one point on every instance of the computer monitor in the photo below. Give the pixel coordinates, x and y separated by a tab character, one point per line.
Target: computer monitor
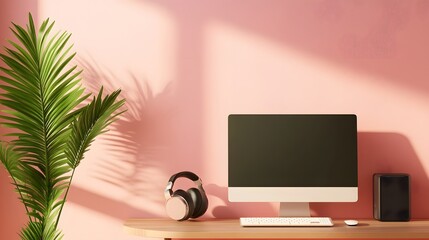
293	159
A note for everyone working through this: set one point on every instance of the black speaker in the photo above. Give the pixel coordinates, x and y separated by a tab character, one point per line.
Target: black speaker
392	197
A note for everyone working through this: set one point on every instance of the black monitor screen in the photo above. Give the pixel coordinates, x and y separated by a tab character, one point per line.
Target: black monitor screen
292	150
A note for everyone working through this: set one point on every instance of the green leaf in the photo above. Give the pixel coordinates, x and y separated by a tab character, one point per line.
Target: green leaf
10	158
42	95
94	118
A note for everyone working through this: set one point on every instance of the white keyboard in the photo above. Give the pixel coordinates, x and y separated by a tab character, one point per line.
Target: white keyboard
286	222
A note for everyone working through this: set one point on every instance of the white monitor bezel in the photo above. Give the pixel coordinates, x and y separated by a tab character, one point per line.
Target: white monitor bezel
292	194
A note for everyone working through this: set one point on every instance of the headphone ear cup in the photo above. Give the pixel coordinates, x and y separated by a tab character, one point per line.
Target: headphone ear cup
200	202
180	206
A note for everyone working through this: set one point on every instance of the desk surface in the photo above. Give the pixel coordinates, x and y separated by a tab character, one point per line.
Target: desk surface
230	228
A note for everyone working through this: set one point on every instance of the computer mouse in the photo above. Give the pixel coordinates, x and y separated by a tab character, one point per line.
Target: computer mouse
351	222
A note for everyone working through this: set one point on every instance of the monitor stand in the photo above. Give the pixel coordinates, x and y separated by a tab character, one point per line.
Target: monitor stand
294	209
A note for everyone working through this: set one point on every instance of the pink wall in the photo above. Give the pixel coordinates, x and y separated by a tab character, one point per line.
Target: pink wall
12	212
184	66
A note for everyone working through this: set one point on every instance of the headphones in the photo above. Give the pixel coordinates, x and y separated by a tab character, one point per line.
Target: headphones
182	205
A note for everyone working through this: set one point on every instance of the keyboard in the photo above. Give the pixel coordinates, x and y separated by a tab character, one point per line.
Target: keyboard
286	222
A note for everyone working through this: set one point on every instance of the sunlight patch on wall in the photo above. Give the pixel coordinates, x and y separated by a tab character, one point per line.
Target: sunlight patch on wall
246	73
129	182
75	219
128	38
129	45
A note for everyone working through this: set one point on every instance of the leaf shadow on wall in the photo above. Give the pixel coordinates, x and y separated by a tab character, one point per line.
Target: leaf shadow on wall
378	152
136	147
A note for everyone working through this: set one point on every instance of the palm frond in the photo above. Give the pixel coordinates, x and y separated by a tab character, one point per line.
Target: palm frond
93	119
34	230
10	158
41	94
40	100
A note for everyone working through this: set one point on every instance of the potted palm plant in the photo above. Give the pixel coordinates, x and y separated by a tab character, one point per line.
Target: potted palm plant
53	123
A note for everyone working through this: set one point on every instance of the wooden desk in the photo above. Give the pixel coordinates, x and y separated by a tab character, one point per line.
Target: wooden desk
230	228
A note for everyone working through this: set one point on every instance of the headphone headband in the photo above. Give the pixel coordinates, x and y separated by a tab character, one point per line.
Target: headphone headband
185	174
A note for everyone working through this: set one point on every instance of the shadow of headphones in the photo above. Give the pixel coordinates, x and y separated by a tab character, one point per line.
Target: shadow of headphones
182	205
